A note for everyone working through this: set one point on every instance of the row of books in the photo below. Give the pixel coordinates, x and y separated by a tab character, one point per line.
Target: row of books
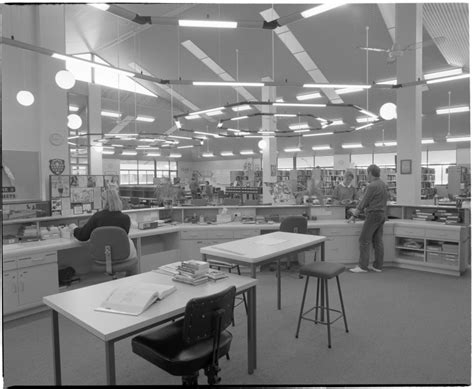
440	215
192	272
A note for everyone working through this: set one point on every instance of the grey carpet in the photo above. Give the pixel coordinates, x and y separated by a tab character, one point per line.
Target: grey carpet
405	328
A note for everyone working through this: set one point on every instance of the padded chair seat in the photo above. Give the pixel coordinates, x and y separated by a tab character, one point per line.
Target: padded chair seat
322	270
118	266
166	349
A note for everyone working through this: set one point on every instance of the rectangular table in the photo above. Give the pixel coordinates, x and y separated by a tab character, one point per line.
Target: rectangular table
261	249
78	306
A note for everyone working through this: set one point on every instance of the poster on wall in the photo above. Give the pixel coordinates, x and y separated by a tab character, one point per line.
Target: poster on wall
59	186
82	195
91	181
281	193
82	181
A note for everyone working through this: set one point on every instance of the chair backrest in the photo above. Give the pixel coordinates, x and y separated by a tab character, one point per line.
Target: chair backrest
204	316
297	224
110	238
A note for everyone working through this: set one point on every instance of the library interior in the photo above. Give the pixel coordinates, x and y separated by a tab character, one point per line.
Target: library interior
191	183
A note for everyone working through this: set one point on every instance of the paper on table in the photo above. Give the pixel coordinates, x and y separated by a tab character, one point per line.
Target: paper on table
271	241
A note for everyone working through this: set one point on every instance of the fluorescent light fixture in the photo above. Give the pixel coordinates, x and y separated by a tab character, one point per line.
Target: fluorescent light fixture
148	119
239	117
242	133
206	23
322	147
308	96
247	152
336	122
192	117
352	146
452	78
227	83
175	155
177	123
227	153
241	108
364	126
110	114
427	141
207	133
101	6
306	130
298	126
214	113
147	140
345	91
285	115
124	135
179	137
365	112
252	136
114	145
263	132
220	124
279	100
73	108
320	9
363	119
458	139
153	154
207	154
385	144
318	134
233	130
292	149
185	147
298	105
443	73
442	111
207	111
387	82
129	153
92	64
143	147
109	152
359	86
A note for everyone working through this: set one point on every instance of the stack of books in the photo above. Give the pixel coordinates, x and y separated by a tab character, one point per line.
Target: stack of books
447	217
423	216
192	272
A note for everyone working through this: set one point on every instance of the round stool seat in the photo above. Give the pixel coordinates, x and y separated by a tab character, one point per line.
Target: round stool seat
322	270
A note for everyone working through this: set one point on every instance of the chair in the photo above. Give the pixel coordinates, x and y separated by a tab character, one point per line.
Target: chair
323	271
297	224
110	251
195	342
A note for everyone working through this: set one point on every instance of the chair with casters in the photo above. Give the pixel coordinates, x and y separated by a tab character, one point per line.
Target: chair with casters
110	251
296	224
192	343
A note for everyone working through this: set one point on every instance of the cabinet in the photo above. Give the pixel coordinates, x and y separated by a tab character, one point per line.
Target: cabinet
26	280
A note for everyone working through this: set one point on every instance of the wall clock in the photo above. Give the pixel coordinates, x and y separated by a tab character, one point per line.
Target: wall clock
56	139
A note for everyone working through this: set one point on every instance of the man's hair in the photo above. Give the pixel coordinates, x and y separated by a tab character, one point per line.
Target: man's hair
349	174
374	170
112	200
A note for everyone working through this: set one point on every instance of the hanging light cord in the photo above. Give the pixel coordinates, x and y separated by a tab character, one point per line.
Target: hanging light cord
367	66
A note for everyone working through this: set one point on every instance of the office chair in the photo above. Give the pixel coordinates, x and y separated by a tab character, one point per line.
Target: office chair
110	248
297	224
195	342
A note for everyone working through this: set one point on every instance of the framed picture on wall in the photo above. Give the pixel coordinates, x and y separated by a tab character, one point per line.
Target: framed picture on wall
405	166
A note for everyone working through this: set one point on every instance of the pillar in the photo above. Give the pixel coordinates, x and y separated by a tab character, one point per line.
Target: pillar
95	127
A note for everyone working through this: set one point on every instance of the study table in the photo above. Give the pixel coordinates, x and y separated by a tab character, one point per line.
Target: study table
261	249
78	306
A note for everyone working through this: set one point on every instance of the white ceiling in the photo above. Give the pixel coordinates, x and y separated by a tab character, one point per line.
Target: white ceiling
330	40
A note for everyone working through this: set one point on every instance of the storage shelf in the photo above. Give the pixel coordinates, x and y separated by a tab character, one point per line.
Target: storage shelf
409	248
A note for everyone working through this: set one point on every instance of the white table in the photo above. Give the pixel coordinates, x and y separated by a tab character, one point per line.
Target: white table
261	249
78	306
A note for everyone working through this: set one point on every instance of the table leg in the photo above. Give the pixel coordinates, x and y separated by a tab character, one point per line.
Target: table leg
253	271
252	329
56	354
204	257
323	245
278	284
110	362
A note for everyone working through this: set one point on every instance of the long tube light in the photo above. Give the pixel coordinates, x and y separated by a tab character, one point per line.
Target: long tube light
101	6
147	119
175	155
285	115
207	154
129	153
359	86
442	111
458	139
365	112
239	117
185	147
304	130
92	64
320	9
241	108
153	154
207	133
385	144
427	141
214	113
322	147
298	105
292	149
207	23
438	80
364	126
298	126
73	108
345	91
352	146
192	117
227	153
337	122
308	96
110	114
364	119
179	137
227	83
318	134
246	152
207	110
443	73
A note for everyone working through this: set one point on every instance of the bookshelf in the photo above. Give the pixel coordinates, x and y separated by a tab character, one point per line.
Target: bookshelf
427	183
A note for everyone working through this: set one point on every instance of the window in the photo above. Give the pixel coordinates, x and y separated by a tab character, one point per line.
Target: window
138	172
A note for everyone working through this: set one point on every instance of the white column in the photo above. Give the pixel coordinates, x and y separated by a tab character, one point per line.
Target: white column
409	25
95	126
269	152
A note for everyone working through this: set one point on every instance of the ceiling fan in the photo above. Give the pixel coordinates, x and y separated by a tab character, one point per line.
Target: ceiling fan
397	51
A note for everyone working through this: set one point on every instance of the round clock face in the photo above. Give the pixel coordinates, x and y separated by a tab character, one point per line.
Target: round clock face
56	139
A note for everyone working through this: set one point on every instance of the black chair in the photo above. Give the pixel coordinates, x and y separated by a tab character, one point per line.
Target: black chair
110	251
323	271
195	342
296	224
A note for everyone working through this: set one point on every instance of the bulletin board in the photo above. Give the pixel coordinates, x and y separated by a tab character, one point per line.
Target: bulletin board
76	195
21	174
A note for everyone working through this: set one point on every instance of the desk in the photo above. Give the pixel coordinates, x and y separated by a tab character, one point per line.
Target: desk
78	306
262	249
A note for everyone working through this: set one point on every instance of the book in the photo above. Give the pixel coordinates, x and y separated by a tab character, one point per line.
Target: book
170	269
216	274
191	280
135	299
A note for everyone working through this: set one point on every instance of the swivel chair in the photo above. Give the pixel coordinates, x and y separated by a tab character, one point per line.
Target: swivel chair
110	251
195	342
296	224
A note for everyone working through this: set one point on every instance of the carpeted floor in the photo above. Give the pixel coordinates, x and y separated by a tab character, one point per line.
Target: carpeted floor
405	328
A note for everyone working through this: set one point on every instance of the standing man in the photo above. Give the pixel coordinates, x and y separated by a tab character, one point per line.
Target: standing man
375	203
345	193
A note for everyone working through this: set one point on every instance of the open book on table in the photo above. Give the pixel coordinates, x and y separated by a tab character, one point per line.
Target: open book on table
135	299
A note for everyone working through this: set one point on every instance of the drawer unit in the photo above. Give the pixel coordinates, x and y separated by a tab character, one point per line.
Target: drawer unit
37	259
411	232
442	234
193	234
220	234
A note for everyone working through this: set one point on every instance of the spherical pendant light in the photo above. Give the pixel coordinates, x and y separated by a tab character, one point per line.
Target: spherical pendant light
74	121
262	144
25	98
388	111
65	79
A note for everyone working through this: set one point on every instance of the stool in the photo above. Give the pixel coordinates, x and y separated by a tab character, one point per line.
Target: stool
323	271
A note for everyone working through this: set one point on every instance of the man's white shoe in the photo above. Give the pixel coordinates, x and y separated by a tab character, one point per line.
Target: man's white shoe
371	268
357	269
